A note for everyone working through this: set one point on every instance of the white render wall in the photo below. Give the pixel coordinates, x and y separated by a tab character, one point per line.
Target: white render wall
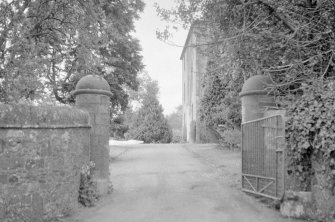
194	65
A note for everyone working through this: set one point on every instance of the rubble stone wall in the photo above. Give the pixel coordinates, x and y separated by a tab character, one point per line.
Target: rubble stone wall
42	150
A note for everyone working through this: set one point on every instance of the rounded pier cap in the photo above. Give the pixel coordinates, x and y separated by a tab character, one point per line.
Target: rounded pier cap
92	84
256	85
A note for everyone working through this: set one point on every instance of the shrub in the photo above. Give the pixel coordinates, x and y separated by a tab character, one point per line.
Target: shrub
87	190
231	138
176	136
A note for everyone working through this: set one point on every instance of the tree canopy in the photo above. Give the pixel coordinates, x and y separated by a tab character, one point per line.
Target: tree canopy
46	46
292	41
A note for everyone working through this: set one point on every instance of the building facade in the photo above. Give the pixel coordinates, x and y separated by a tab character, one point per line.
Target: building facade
194	62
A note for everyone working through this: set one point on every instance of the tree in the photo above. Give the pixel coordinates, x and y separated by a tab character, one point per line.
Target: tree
175	121
122	119
46	46
148	123
292	41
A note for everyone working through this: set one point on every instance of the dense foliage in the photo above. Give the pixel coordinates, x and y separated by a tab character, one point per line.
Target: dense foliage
292	41
118	127
219	108
310	132
47	45
148	122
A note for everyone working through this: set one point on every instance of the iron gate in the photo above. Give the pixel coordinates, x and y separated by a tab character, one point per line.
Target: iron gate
263	159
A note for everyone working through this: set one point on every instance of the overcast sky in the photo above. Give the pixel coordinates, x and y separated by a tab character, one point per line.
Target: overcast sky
161	60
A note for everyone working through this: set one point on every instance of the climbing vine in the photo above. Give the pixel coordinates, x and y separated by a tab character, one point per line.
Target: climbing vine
310	132
88	194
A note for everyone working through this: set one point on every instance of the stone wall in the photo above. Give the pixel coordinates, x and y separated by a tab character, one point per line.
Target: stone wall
97	105
42	150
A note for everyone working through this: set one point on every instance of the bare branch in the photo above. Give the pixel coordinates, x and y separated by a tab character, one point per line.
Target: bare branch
330	64
278	15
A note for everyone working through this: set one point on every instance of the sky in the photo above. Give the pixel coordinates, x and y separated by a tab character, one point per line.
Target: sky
161	60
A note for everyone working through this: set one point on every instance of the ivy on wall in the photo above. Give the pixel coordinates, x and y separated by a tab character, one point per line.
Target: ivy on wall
310	132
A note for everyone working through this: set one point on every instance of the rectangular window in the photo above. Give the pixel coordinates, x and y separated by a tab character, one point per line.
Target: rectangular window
184	93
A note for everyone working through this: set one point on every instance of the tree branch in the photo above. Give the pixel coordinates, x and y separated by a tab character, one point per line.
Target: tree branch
330	64
278	15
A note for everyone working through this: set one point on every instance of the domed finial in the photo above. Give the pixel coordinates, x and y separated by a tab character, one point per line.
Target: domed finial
256	85
92	84
255	98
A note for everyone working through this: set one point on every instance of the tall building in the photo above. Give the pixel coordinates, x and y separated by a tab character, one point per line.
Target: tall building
194	63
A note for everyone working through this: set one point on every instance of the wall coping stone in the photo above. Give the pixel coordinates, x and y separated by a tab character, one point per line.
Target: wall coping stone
43	127
255	92
91	91
47	117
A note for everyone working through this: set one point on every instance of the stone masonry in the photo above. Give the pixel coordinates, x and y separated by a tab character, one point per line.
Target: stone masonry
92	94
42	150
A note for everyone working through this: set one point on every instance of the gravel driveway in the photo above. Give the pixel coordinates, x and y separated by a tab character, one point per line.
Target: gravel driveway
175	183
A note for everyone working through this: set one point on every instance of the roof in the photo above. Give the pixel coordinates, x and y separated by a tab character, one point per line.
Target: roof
193	26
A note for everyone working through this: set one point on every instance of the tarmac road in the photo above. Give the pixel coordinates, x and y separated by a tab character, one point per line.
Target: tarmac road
177	183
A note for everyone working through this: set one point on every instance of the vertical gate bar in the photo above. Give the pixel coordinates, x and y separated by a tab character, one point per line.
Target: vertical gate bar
276	178
271	152
262	156
246	147
266	143
249	145
247	150
251	156
262	144
259	150
242	155
283	153
250	148
254	141
257	184
267	136
252	151
268	149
